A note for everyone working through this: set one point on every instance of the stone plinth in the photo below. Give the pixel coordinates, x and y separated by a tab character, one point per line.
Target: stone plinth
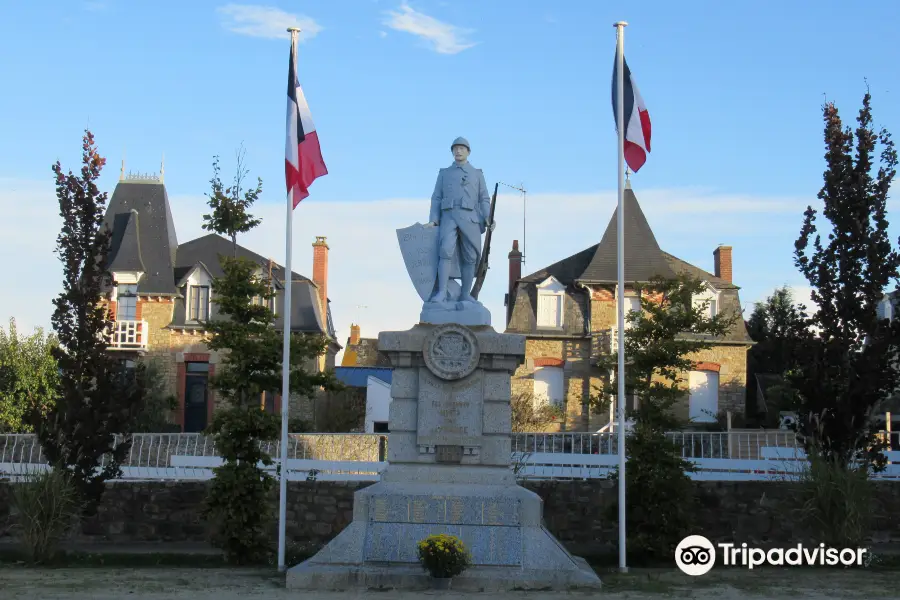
449	472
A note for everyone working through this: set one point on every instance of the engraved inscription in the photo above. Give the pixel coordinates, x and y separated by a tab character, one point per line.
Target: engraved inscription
380	510
456	510
488	545
449	414
418	511
448	454
449	510
490	514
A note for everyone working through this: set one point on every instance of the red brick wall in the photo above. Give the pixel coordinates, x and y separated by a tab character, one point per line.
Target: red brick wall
707	366
722	260
547	361
180	374
320	271
603	294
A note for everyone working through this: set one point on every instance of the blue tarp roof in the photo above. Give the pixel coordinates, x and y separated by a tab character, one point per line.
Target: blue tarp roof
359	376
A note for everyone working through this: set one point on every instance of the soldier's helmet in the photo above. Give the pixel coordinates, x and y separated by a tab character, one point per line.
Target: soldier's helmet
461	141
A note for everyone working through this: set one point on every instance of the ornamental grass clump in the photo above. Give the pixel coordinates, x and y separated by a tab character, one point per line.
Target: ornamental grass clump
444	556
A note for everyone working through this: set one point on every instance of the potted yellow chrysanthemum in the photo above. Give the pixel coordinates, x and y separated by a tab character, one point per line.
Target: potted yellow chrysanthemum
444	557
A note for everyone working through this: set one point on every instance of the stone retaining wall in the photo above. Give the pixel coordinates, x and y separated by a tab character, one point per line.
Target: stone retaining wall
578	513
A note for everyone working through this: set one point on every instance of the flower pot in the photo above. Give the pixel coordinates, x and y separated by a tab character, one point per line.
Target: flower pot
441	583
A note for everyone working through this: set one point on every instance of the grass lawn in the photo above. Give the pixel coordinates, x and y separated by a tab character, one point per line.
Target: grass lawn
203	577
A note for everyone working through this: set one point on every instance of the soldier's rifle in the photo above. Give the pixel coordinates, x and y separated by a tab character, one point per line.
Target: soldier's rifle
481	271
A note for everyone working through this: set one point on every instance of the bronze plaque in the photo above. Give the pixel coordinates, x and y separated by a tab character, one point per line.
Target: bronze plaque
448	454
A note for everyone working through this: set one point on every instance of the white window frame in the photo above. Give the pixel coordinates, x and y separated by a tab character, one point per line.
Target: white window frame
120	294
711	295
551	290
193	289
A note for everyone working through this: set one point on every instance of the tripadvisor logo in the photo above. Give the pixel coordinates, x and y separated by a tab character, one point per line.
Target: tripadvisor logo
695	555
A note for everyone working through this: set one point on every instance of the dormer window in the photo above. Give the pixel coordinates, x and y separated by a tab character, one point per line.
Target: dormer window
199	303
550	303
708	300
126	302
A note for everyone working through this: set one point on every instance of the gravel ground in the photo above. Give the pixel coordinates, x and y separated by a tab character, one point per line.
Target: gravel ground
232	584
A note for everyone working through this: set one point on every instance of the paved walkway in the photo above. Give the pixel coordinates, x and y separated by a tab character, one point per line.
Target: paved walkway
234	584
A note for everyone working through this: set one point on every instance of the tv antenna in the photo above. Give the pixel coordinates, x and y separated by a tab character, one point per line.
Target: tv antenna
358	307
520	188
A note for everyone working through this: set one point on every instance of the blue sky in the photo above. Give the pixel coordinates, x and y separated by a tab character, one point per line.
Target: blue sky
734	92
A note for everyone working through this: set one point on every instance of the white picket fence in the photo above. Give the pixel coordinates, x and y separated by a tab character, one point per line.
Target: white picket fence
759	456
776	464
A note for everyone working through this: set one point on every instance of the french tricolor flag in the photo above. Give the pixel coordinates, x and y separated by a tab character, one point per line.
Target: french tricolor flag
303	162
635	117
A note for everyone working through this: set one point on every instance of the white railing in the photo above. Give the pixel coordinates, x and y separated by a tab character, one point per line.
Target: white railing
129	335
174	456
178	456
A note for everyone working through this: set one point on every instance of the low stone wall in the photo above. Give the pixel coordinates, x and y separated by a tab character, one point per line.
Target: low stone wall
580	514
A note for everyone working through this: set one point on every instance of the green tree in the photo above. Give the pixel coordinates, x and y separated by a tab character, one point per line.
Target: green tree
28	377
849	367
158	403
658	348
95	401
250	364
779	326
229	215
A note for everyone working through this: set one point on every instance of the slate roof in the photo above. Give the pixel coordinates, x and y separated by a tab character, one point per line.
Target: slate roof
598	264
125	245
305	313
143	239
643	260
359	376
143	233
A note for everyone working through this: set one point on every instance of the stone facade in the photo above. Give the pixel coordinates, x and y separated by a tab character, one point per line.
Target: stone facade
580	514
171	347
589	315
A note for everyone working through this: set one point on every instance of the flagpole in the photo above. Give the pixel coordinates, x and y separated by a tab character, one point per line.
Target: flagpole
620	300
286	360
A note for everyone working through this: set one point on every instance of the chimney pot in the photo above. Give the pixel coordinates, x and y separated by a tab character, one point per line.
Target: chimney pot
722	262
354	334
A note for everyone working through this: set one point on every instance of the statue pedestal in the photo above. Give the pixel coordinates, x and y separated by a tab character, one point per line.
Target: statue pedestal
449	472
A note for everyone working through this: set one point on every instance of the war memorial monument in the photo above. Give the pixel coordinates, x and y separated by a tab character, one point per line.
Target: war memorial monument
450	428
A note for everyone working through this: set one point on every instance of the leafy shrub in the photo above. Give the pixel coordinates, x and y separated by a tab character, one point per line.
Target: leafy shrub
443	555
835	498
48	506
528	418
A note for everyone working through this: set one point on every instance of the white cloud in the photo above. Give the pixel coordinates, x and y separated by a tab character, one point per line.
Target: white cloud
443	37
266	22
382	34
365	265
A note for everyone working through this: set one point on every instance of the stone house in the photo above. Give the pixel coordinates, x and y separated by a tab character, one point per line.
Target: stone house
162	293
363	352
567	311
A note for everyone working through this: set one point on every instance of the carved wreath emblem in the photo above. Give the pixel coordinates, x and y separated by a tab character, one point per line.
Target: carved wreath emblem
451	352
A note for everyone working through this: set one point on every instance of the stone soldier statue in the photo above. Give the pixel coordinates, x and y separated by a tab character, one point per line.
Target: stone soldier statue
461	207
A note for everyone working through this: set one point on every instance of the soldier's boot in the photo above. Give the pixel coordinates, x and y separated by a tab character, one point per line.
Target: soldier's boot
468	276
443	277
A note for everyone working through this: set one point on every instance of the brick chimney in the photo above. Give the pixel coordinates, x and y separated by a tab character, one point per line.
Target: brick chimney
320	272
722	260
354	334
515	273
